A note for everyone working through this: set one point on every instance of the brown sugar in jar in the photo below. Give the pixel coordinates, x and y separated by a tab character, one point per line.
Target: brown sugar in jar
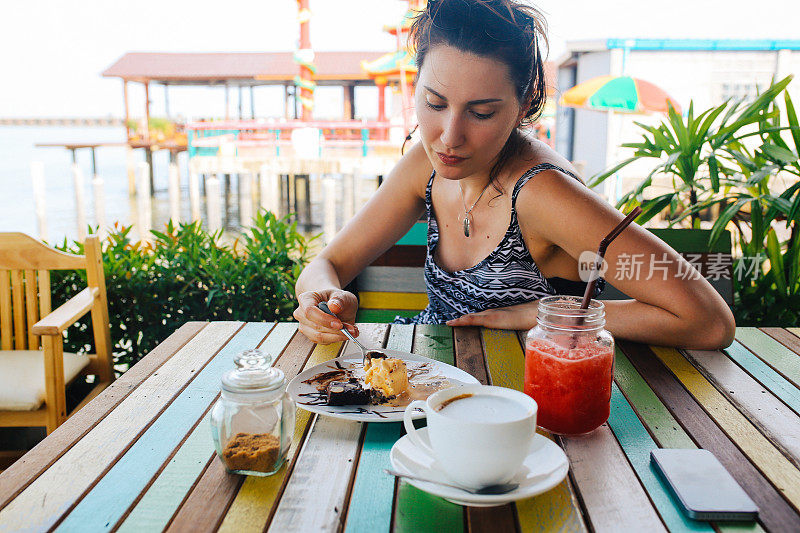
252	452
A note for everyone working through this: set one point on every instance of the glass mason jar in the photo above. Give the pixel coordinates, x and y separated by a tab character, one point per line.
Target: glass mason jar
253	421
569	361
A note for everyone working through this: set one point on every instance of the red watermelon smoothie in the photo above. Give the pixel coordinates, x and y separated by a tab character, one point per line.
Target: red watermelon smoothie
571	386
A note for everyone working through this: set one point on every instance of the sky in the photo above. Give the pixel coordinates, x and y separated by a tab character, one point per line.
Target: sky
53	51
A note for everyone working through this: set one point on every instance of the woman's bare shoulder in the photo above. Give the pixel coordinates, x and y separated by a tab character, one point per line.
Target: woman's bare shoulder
536	152
412	170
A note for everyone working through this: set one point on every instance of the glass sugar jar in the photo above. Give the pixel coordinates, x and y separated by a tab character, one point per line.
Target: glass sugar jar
253	421
569	360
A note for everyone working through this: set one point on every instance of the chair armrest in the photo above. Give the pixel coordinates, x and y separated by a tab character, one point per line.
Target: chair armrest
66	315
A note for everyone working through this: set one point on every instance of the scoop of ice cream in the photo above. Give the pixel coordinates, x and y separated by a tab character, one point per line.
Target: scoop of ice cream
389	376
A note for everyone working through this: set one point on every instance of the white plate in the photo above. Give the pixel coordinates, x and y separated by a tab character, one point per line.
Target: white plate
371	413
545	467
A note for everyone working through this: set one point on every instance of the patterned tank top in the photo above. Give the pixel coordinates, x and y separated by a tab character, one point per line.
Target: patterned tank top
507	276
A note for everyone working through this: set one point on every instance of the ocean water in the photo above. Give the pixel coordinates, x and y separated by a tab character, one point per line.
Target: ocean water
18	151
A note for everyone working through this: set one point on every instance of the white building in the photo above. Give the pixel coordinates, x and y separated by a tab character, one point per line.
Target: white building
704	71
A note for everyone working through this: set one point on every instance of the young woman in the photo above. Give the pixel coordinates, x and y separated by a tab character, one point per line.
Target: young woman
507	216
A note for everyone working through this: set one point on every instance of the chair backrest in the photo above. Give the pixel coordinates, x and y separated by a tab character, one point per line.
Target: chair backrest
715	263
25	266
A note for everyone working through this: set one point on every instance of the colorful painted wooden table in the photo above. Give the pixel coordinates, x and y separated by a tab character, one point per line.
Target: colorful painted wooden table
139	457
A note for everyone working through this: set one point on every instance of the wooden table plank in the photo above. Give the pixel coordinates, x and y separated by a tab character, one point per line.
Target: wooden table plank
637	443
601	471
659	421
255	503
761	372
794	331
160	501
775	466
252	503
372	496
39	506
775	513
772	352
666	431
416	510
154	511
28	467
770	415
315	493
558	508
785	337
115	492
470	358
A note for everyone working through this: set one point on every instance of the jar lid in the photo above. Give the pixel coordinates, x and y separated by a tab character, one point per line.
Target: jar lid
253	373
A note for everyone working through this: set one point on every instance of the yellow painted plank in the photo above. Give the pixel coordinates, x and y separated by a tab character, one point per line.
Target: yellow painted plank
555	510
775	466
6	333
392	300
253	504
796	331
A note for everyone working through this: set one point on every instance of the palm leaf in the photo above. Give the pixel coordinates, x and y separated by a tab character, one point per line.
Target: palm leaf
776	261
597	179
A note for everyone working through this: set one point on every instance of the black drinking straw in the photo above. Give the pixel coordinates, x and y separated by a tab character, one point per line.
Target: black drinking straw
601	252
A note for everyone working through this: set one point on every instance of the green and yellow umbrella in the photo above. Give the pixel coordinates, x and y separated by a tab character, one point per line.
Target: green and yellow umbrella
619	93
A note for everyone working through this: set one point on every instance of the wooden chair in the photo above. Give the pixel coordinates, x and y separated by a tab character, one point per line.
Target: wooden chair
31	334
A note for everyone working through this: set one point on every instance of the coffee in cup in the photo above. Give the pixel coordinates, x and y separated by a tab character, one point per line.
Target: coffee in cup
479	435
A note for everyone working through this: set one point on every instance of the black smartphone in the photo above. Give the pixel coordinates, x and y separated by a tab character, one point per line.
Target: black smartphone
705	490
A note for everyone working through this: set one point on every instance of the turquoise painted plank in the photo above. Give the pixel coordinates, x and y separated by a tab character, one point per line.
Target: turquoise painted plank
637	443
762	372
373	491
162	499
105	504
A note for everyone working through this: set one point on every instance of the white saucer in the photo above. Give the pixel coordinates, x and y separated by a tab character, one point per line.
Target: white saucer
545	467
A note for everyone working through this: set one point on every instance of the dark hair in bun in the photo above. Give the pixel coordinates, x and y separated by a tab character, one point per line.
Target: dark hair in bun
506	30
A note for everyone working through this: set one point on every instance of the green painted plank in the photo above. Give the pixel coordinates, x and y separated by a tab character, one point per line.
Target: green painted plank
383	316
416	510
693	240
637	443
772	352
435	341
777	384
417	235
667	431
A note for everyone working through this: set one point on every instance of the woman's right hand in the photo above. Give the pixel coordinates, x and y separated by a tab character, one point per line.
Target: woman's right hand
321	327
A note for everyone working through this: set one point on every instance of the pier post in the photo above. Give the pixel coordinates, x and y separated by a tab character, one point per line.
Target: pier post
131	168
39	201
270	188
194	195
212	201
80	201
98	186
143	202
329	208
174	189
245	200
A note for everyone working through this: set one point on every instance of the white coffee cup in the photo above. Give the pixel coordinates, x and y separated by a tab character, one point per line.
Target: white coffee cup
479	435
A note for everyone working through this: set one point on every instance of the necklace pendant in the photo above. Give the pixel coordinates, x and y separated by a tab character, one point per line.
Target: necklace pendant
466	226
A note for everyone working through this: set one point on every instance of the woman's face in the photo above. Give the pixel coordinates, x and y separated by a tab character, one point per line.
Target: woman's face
467	108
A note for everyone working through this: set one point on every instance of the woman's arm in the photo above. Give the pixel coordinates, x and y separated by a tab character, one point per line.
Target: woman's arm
666	310
388	215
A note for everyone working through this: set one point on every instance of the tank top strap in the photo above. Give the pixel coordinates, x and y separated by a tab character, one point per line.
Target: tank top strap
531	173
428	189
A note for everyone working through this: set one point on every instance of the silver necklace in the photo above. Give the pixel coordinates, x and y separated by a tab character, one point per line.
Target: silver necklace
467	221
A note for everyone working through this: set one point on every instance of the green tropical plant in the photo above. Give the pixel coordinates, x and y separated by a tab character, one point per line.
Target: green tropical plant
732	156
184	274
